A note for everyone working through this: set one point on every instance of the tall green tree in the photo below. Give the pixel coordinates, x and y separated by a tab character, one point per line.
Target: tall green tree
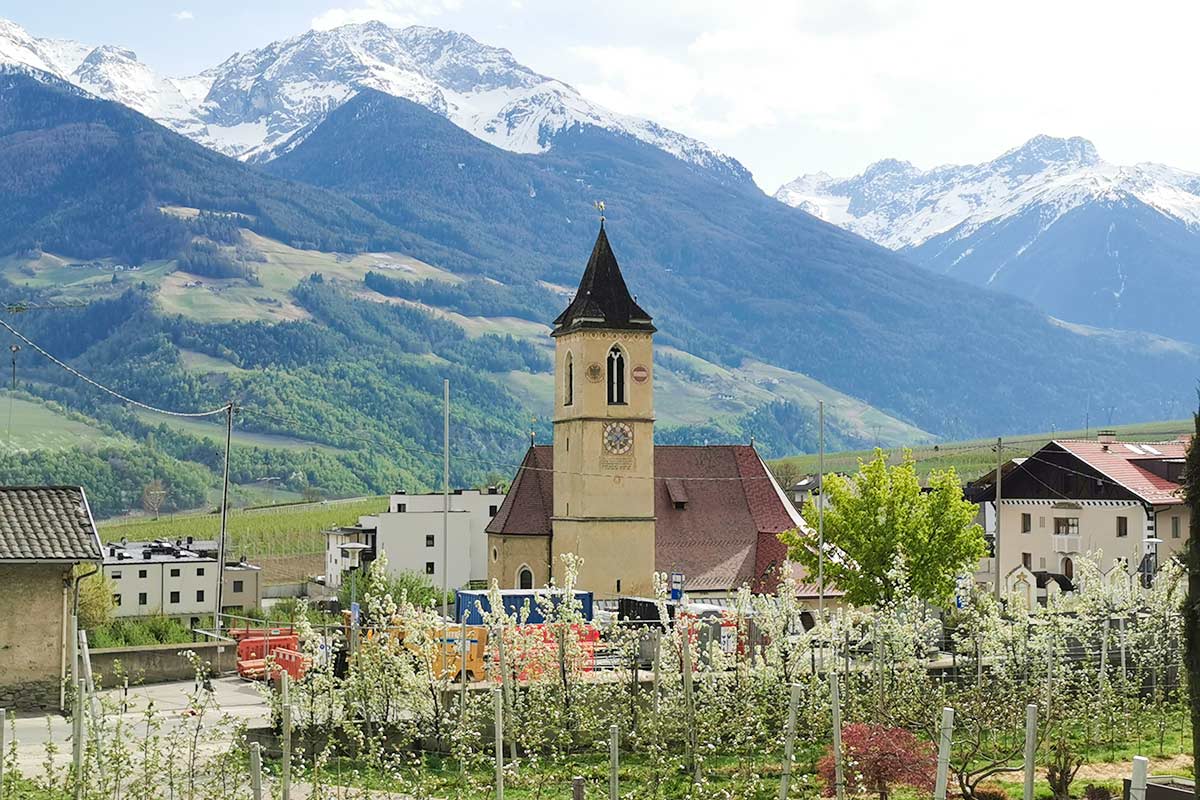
1191	606
880	519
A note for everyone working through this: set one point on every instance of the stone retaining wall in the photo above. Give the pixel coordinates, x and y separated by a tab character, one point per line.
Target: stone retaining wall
159	663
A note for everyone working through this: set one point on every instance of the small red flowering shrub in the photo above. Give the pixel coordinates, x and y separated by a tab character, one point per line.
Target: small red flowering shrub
876	758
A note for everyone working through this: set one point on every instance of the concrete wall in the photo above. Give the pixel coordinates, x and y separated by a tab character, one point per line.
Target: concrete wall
158	663
32	605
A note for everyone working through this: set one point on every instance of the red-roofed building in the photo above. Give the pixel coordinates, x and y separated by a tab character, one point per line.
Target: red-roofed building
1075	496
606	493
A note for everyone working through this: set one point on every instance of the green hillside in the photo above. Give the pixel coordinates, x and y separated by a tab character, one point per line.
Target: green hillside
975	457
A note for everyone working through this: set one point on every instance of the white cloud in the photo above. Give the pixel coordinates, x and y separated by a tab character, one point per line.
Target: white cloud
184	16
791	86
396	13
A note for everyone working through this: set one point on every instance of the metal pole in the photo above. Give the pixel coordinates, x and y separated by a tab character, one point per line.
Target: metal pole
1031	714
445	486
285	768
504	687
1137	781
498	697
462	669
614	764
255	771
3	720
789	742
943	759
77	738
821	510
839	780
657	654
999	485
224	521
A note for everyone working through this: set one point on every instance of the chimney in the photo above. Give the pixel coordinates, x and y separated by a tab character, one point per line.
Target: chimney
146	554
1107	436
190	540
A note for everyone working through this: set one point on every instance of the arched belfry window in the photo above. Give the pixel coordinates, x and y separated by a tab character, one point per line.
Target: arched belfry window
616	376
525	578
569	381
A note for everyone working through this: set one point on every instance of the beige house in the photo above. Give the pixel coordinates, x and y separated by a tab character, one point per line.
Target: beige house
45	532
1072	497
606	493
176	579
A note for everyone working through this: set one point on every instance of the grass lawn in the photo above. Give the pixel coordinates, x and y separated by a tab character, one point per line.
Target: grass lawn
35	426
215	431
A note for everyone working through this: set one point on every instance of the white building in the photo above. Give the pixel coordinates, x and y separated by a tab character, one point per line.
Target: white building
175	579
409	533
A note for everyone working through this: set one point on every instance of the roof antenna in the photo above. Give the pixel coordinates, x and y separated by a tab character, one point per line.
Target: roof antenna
599	204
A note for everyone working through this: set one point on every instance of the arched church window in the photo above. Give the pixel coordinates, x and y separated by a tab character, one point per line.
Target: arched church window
616	376
569	381
525	578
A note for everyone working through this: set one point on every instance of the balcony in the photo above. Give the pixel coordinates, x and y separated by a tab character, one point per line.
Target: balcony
1065	543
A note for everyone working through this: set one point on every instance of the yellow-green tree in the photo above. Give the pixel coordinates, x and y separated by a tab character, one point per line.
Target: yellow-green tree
881	529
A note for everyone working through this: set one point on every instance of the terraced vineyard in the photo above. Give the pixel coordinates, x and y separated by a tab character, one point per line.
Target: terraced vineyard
290	530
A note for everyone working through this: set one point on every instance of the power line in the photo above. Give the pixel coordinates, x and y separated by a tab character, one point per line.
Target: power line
505	464
36	347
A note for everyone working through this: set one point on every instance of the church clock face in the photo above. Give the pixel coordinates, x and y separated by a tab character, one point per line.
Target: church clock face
618	438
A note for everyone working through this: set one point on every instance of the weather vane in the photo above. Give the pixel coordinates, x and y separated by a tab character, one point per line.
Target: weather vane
599	204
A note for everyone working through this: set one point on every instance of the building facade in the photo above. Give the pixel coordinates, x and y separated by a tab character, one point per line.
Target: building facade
410	534
606	493
176	580
46	533
1119	500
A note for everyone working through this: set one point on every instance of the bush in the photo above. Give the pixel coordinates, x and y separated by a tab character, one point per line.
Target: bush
877	758
1095	792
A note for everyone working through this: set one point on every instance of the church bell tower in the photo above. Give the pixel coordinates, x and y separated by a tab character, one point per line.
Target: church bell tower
604	432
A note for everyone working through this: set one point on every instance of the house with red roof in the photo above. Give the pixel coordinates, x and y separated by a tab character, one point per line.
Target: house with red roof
606	493
1075	496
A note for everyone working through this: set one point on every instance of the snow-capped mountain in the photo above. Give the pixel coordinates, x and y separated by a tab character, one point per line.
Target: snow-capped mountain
256	104
1091	242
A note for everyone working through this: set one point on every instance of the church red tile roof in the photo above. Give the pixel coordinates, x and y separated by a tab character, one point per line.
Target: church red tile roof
718	513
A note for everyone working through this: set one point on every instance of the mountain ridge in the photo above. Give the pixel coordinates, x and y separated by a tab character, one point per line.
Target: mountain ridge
253	103
1050	221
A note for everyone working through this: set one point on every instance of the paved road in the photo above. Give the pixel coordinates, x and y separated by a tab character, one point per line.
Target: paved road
233	696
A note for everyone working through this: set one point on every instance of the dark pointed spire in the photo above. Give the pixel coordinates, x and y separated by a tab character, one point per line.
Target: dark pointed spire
602	300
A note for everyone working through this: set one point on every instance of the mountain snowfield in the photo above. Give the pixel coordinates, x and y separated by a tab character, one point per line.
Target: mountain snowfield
256	104
1089	241
900	206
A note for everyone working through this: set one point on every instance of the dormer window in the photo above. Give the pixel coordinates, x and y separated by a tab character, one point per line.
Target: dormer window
569	384
616	377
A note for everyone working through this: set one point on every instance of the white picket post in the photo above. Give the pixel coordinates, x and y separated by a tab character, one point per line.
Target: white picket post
614	763
498	697
1137	781
789	742
839	779
1031	714
77	737
255	771
943	759
285	769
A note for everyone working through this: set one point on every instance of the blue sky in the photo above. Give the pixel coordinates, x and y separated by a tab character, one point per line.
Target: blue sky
786	87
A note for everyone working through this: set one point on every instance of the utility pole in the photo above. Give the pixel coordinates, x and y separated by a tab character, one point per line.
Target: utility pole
821	510
14	349
224	522
999	484
445	488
